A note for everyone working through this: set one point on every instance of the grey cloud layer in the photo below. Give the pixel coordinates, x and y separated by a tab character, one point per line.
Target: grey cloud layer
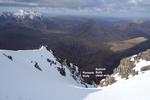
119	6
88	3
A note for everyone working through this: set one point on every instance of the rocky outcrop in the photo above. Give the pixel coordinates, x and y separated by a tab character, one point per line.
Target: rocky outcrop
145	68
126	68
143	55
9	57
107	81
61	71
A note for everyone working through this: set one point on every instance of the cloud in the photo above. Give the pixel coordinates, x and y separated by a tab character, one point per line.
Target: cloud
80	3
135	2
13	3
120	7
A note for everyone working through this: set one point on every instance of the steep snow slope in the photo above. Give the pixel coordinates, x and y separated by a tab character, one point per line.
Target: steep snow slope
28	75
26	61
21	80
135	88
132	79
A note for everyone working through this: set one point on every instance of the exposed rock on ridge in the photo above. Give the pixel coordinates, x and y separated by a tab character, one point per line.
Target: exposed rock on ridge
127	68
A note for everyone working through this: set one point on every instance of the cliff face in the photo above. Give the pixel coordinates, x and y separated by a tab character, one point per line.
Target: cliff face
129	67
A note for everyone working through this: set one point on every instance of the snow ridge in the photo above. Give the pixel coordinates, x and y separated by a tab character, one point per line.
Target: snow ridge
22	14
39	61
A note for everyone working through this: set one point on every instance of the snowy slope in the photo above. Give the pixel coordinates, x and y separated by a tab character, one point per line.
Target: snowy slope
135	88
21	80
25	61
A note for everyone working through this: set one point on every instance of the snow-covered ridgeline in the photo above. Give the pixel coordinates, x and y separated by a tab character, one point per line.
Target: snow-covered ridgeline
40	61
21	14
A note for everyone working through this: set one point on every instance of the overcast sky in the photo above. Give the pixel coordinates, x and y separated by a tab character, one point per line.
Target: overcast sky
130	7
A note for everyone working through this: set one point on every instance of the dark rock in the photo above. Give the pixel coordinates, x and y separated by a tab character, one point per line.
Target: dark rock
9	57
62	71
51	62
37	66
145	68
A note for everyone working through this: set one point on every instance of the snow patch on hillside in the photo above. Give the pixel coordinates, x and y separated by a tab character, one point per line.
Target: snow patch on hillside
140	64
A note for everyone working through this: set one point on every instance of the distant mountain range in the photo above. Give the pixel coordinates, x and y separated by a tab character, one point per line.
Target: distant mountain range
85	41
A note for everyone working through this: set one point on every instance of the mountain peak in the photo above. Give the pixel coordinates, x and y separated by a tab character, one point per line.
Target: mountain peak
22	13
43	47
